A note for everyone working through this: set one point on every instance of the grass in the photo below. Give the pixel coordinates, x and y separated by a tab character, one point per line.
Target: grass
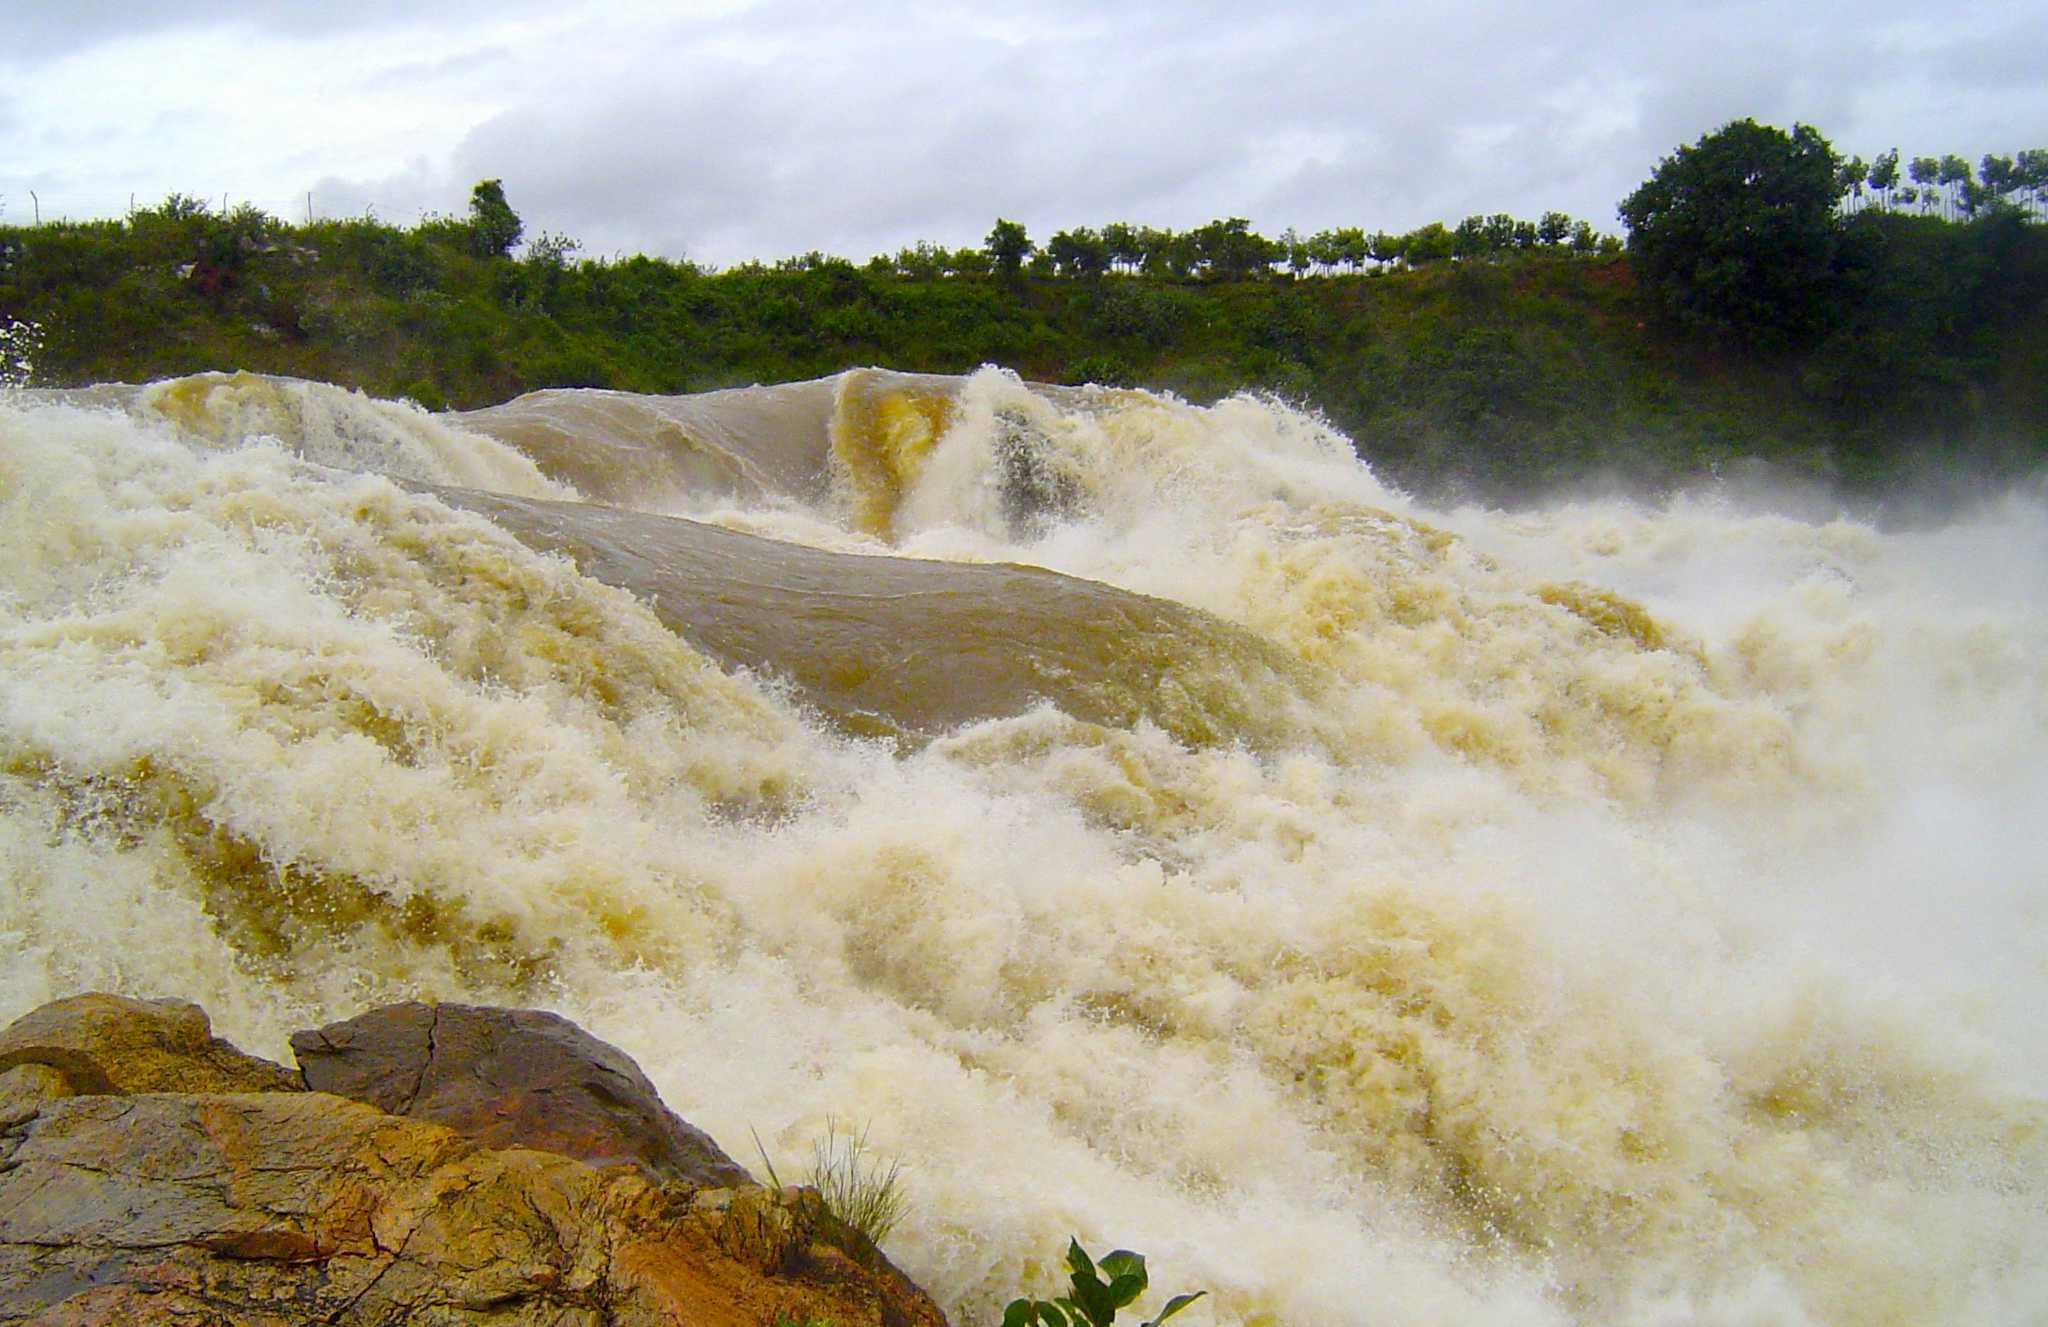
851	1200
856	1188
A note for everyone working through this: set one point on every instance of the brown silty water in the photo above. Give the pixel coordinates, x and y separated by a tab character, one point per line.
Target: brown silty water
1148	825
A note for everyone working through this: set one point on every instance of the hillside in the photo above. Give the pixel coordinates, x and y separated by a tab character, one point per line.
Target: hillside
1491	375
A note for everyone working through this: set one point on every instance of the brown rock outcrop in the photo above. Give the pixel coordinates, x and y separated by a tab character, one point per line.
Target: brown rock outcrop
511	1077
265	1208
111	1043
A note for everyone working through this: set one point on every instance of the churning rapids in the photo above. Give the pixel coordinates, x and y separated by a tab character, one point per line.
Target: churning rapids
1149	825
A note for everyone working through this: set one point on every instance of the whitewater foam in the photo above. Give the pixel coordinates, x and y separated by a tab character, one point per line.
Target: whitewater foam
1646	928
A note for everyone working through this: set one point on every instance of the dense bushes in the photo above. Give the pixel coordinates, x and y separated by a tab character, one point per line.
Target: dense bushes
1524	366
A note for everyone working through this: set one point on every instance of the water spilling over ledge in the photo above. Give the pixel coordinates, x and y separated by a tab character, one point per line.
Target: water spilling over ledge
1374	914
915	648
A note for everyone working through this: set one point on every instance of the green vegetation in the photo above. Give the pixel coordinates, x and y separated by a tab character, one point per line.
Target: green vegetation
850	1202
1895	329
1094	1302
494	228
20	346
1738	233
857	1191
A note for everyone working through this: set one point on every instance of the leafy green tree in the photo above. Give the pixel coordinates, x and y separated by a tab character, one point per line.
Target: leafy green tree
1884	175
1849	176
1956	177
1427	244
493	226
1007	247
1232	250
1469	239
1126	248
1554	229
2000	178
1352	248
1296	250
1738	233
1078	252
2032	167
1924	172
1324	253
1165	253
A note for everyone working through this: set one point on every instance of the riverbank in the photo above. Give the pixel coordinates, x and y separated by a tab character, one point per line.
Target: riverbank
1491	377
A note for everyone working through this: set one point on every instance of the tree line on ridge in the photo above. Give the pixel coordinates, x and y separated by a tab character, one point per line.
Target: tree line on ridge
1759	309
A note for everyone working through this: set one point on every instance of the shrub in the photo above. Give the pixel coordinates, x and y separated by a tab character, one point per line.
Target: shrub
19	343
1094	1301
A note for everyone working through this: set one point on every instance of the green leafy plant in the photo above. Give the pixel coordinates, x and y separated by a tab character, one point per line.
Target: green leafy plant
1094	1301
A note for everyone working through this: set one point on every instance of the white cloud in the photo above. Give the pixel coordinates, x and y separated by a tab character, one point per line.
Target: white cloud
733	129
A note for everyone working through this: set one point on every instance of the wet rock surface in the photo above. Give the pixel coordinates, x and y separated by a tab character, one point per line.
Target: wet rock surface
511	1077
143	1207
111	1043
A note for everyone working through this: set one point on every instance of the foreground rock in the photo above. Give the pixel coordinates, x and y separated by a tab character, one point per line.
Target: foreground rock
511	1076
138	1206
109	1043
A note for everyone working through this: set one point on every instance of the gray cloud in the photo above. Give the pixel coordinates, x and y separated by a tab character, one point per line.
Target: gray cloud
31	30
773	128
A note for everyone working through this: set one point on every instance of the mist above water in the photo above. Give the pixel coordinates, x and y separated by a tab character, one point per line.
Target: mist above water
1606	914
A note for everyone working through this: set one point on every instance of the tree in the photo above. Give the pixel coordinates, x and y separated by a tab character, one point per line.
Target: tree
1353	249
1924	171
1849	177
1884	175
1427	244
1469	239
1007	247
1999	177
1078	252
1126	249
1956	176
1295	250
2030	170
1230	250
1738	233
493	226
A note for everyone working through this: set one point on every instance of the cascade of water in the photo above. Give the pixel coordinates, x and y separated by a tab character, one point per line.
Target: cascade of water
1604	915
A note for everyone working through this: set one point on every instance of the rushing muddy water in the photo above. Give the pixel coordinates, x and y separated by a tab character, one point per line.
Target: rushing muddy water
1149	826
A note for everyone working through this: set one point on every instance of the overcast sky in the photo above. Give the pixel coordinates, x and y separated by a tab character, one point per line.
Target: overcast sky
723	130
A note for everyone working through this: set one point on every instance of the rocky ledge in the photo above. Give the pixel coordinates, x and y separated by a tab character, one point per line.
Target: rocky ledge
427	1164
